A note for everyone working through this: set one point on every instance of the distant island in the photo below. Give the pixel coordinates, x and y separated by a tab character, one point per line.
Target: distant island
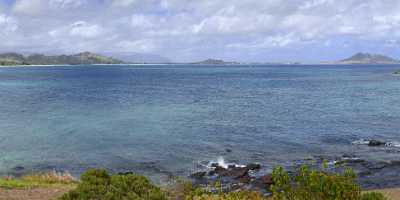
40	59
367	58
215	62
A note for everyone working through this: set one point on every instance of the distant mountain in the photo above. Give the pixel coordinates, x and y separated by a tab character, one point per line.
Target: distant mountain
133	57
12	59
215	62
366	58
40	59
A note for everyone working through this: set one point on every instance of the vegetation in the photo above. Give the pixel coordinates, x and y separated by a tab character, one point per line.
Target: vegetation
49	179
40	59
317	185
373	196
98	184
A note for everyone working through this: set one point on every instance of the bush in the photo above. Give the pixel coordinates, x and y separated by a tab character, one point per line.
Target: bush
373	196
99	185
314	185
237	195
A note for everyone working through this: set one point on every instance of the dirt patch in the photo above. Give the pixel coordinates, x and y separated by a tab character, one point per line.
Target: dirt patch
390	193
50	193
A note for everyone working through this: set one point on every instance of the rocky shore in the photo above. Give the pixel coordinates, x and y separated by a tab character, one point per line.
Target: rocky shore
372	174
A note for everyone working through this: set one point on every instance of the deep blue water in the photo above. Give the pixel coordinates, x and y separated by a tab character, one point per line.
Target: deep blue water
167	119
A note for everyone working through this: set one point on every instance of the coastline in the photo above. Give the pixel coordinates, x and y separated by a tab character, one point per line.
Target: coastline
56	187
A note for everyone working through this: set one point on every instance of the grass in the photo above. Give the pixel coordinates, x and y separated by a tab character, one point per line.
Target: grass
98	184
49	179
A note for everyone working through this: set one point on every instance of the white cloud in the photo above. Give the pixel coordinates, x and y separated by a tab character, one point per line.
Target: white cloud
123	3
66	3
142	46
7	24
29	7
84	29
81	29
142	21
195	27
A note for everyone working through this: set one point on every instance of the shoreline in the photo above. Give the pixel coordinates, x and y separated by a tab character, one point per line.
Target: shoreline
215	65
46	190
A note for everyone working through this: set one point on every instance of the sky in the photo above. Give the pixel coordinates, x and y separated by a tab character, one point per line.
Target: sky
192	30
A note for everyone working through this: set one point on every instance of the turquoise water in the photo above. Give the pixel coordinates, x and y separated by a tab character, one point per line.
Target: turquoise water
169	119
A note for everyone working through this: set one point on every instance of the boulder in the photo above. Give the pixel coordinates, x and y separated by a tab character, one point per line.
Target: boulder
198	175
18	168
215	165
246	179
266	179
376	143
253	166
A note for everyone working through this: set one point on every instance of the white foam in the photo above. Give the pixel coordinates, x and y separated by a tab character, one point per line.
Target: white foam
361	142
221	162
393	144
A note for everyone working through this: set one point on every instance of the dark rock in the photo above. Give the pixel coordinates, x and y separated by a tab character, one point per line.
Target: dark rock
198	175
125	173
395	163
375	165
266	179
350	160
245	179
231	166
253	166
215	165
238	172
235	172
220	170
376	143
228	150
18	168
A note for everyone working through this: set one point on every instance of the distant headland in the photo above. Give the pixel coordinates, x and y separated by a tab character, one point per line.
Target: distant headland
40	59
89	58
367	58
215	62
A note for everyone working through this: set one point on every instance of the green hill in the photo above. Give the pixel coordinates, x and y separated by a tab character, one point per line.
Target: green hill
40	59
366	58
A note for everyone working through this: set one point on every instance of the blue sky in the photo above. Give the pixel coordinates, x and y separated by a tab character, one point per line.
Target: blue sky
190	30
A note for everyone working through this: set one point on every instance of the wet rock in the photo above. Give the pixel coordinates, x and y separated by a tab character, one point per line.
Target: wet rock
233	173
266	179
18	168
198	175
395	163
375	165
350	160
125	173
245	179
238	172
253	166
231	166
215	165
220	170
228	150
263	182
375	143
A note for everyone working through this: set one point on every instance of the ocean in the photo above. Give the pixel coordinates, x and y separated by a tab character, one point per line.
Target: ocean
172	119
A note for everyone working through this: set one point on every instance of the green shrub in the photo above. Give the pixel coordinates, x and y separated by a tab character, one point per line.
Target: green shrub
314	185
373	196
99	185
236	195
